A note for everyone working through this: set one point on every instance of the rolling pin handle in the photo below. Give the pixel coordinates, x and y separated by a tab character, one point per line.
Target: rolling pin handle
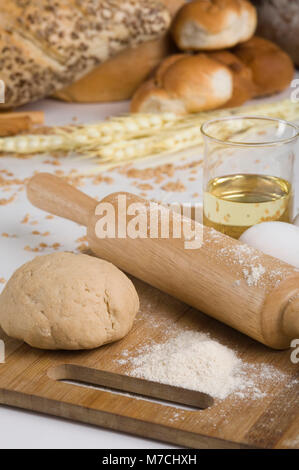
52	194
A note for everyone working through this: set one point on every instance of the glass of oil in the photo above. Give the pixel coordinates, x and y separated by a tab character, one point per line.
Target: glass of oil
248	172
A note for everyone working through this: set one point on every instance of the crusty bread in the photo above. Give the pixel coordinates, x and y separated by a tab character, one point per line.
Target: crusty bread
213	24
278	20
119	77
185	84
272	69
243	87
46	45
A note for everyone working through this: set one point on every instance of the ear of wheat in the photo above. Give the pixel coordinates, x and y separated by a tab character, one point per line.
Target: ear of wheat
125	139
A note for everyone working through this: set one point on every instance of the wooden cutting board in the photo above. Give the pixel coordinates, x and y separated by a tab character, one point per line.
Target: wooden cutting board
32	379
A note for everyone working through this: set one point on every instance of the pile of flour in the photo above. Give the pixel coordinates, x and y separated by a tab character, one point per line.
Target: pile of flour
193	360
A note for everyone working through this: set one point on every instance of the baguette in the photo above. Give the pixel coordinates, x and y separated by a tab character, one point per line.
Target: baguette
47	45
119	77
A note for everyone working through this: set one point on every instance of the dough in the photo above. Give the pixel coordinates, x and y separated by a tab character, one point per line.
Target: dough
68	301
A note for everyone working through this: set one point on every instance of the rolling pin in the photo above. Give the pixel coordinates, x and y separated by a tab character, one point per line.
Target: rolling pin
230	281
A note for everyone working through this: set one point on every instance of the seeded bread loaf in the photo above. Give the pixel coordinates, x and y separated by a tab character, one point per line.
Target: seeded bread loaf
119	77
46	45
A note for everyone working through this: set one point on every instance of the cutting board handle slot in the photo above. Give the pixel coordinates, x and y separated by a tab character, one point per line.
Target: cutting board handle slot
138	388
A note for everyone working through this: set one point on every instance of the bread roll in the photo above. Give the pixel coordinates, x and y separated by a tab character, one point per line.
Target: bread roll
272	69
243	87
278	20
46	45
185	84
213	24
119	77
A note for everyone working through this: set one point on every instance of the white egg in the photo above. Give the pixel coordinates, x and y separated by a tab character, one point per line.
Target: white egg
277	239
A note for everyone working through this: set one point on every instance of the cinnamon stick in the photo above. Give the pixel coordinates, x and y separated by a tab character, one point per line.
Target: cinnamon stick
14	125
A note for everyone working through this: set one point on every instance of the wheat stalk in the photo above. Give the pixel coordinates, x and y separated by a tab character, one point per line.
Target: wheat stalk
124	139
186	133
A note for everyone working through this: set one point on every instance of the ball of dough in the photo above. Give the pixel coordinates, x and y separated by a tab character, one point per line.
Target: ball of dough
68	301
277	239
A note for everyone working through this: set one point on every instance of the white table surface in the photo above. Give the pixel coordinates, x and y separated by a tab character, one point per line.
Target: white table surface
22	429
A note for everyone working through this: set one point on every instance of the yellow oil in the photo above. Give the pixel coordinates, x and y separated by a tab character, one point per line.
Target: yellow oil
234	203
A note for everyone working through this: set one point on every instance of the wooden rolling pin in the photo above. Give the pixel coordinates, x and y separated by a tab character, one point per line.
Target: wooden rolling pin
238	285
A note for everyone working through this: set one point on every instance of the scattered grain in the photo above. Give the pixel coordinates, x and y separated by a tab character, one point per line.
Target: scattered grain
82	239
83	247
177	187
145	186
25	219
4	202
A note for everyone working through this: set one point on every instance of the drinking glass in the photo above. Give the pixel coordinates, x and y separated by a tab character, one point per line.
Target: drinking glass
248	172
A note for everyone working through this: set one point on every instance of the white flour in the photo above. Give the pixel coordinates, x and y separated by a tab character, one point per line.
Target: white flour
250	261
193	360
253	275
